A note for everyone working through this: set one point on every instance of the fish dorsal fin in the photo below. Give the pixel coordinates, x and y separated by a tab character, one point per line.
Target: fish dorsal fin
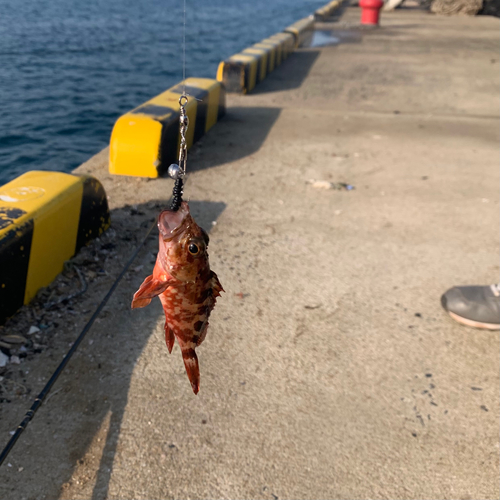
216	286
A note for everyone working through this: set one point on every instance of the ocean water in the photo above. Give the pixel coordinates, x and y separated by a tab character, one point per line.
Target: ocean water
69	68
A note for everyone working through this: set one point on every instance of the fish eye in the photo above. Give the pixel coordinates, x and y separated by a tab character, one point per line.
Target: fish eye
193	249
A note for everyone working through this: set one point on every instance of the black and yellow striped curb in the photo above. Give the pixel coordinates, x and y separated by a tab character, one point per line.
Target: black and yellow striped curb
327	10
302	31
145	141
287	43
45	218
241	72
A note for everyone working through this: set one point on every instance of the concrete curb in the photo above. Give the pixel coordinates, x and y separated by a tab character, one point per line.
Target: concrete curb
241	72
327	10
145	141
45	218
302	30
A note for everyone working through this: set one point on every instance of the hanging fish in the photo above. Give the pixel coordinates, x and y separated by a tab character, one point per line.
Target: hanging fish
186	286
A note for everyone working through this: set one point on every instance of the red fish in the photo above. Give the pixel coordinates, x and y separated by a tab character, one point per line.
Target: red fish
185	285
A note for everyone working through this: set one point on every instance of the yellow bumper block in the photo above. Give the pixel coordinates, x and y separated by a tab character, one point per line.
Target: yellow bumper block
272	55
241	72
303	31
328	9
277	46
45	218
287	41
265	57
145	141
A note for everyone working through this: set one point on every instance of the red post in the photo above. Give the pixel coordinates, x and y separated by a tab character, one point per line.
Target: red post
370	11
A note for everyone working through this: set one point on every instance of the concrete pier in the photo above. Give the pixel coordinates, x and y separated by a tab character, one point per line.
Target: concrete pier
329	369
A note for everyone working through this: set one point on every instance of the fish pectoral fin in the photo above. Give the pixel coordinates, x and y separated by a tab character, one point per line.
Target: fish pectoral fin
138	303
149	289
192	368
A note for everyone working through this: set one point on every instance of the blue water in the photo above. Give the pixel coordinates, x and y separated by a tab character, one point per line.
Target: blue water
69	68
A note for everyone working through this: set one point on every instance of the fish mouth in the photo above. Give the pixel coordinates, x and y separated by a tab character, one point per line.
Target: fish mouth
170	223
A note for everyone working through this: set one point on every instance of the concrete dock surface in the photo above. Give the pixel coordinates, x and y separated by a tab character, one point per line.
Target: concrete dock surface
330	369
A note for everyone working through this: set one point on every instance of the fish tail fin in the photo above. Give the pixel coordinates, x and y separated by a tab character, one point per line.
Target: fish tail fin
149	289
192	368
169	338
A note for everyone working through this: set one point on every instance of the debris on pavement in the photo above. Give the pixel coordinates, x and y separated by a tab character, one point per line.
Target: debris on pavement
339	186
9	341
320	184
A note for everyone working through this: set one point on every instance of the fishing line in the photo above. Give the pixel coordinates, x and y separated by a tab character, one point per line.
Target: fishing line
184	50
178	171
40	398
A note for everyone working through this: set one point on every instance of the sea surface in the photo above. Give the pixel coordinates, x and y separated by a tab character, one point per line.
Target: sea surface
69	68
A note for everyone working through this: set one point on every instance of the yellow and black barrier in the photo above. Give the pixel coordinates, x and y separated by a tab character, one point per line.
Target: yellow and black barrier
277	49
145	141
266	60
241	72
45	218
327	10
287	43
303	31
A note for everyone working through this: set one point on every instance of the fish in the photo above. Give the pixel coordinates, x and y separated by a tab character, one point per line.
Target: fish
184	283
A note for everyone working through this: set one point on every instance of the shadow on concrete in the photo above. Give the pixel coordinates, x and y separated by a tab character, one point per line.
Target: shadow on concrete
290	74
229	141
204	212
420	7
